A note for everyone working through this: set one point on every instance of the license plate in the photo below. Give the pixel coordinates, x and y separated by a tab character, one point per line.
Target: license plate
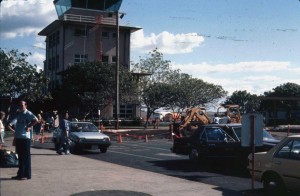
94	147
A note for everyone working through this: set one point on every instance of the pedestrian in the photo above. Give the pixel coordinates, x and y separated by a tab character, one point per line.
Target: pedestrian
216	119
64	136
24	122
39	125
2	129
227	118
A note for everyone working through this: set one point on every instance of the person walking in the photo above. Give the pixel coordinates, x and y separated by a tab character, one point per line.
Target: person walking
24	122
39	126
2	129
63	141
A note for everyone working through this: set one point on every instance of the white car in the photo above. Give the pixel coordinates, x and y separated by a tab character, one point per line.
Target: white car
279	168
84	135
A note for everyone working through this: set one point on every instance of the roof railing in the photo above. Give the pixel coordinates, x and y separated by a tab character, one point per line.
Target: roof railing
89	19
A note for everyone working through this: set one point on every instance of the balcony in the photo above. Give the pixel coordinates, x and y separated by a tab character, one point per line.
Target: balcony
89	19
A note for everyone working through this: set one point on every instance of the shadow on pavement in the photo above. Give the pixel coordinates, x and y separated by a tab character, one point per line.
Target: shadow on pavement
110	193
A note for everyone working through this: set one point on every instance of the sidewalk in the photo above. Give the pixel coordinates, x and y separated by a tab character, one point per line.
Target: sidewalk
65	175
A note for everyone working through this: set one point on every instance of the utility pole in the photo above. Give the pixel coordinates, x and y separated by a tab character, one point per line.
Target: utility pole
117	101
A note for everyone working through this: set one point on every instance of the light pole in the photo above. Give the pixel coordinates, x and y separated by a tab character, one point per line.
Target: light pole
117	101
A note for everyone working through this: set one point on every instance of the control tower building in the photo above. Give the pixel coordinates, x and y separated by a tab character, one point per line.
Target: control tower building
86	30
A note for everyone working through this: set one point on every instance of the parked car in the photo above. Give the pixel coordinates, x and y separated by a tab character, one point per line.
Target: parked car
279	168
218	141
84	135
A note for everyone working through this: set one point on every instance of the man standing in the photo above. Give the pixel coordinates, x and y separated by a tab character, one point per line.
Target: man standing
63	142
23	124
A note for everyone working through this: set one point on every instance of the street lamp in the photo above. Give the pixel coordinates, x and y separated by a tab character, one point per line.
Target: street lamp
117	99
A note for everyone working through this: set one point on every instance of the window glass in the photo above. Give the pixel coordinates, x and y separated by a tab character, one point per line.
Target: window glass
105	34
295	151
105	59
80	58
285	151
215	134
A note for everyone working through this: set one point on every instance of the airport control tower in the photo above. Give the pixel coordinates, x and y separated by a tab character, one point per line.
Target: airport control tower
86	30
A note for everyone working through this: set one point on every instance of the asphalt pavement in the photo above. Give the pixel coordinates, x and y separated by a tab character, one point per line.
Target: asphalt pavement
63	175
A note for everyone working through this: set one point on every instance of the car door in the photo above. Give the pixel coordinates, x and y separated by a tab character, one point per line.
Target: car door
286	162
216	145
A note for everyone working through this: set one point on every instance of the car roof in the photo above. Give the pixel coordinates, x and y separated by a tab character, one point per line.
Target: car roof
222	125
294	136
80	122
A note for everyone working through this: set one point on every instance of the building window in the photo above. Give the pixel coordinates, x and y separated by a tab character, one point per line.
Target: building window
80	58
80	32
114	35
114	59
57	38
105	59
50	41
105	34
57	62
49	64
126	111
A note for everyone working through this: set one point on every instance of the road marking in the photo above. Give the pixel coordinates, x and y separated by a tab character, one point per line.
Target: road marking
168	155
135	155
136	145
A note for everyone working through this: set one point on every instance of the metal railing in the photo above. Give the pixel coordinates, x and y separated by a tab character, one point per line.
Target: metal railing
89	19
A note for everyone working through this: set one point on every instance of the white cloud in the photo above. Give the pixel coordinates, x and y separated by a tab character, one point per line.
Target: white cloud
25	18
256	77
37	59
166	42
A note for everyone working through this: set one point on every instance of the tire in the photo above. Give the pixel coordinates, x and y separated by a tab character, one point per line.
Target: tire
194	155
103	150
273	185
72	147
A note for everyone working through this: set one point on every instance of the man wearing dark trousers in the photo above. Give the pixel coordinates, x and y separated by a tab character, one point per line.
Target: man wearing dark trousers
64	137
23	124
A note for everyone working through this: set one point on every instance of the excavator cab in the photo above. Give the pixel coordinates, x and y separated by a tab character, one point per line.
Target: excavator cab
193	118
231	110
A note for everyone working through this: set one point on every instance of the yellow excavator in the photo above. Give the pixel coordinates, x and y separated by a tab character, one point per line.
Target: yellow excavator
193	118
197	116
230	110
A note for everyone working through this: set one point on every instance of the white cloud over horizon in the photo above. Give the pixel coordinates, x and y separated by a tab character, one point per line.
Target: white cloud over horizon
166	42
256	77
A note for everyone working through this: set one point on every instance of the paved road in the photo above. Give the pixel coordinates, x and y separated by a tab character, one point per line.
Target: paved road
155	156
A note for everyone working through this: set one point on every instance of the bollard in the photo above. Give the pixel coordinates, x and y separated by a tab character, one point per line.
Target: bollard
43	137
146	138
120	138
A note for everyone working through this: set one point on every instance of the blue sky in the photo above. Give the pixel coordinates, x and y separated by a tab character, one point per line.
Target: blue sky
248	45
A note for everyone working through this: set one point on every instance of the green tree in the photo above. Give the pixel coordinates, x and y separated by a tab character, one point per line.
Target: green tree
20	79
152	86
285	97
186	92
169	88
92	86
246	101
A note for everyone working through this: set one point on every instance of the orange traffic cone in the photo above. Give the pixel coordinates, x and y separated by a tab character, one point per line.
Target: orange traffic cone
43	137
120	138
146	138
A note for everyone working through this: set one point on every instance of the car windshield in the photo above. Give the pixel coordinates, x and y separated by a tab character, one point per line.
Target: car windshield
268	135
83	127
238	131
215	134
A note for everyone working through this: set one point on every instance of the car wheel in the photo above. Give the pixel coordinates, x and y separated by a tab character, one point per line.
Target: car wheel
72	147
194	155
103	150
273	185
